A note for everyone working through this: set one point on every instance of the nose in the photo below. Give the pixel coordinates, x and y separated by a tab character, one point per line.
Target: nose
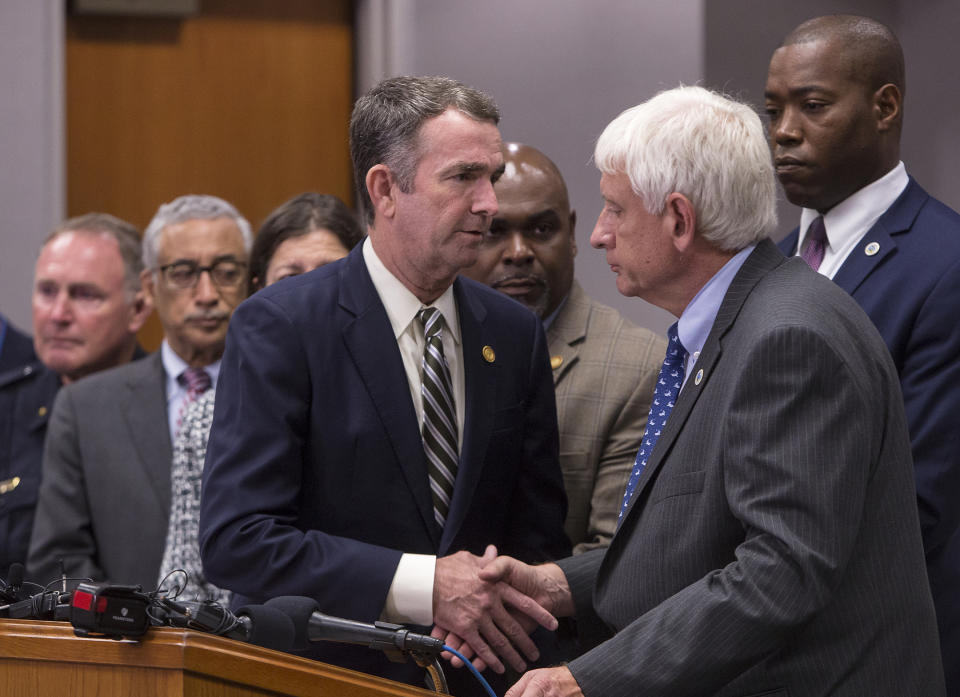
517	251
601	237
785	128
61	311
205	293
485	200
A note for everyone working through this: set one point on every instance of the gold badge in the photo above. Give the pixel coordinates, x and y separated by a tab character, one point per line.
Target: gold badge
871	249
697	380
489	355
42	411
556	361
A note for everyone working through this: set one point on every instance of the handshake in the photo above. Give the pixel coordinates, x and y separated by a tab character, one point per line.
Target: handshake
486	607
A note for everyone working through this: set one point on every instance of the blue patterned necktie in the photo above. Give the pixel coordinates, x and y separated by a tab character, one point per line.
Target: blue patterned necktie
669	383
439	415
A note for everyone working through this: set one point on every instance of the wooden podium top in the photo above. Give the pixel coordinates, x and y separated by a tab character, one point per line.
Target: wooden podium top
47	658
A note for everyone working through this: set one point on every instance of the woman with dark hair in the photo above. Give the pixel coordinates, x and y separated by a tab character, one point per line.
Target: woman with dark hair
307	231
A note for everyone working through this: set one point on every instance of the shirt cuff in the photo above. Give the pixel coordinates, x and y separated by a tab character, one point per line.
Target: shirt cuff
410	598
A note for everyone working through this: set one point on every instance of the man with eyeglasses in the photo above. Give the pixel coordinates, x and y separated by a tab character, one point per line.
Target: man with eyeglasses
88	305
105	500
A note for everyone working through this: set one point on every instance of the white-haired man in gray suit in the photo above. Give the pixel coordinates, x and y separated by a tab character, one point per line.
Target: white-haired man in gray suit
768	540
105	497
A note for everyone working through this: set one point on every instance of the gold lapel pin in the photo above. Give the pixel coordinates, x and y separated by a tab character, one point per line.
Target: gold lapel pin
556	362
871	249
489	355
42	411
8	485
697	380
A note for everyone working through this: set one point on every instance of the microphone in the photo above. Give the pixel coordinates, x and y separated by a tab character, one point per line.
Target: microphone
255	624
12	590
312	625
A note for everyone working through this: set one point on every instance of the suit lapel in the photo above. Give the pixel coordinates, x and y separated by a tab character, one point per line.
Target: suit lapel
480	379
567	332
143	404
369	338
880	240
760	262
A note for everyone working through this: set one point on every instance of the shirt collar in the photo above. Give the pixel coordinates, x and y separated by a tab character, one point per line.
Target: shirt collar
401	305
173	365
856	214
553	315
697	318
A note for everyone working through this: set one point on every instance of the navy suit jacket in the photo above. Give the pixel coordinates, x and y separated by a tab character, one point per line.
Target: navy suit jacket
316	480
910	288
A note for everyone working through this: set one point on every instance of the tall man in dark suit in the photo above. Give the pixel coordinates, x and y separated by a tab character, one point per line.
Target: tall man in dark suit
768	542
324	477
604	366
105	498
834	95
87	308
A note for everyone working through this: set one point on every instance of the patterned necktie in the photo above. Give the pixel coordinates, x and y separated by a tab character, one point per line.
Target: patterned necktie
182	548
669	383
815	244
197	381
439	415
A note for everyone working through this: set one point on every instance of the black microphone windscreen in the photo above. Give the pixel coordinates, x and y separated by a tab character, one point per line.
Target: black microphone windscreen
15	574
299	609
269	627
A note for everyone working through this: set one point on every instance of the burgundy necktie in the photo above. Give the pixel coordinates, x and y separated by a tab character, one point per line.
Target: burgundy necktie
815	243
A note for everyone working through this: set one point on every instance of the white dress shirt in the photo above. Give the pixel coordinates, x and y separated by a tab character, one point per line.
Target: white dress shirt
410	598
848	221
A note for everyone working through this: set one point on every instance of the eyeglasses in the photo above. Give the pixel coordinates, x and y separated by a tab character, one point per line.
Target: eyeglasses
226	273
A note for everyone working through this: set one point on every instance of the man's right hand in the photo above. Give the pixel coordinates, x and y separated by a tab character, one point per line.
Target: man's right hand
544	583
476	611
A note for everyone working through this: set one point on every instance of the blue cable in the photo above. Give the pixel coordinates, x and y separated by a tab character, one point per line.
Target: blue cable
486	685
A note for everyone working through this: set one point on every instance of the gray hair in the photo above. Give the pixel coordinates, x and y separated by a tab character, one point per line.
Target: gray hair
706	146
386	121
190	207
126	235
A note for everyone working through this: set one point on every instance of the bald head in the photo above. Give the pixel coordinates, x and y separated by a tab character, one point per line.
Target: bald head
871	50
528	252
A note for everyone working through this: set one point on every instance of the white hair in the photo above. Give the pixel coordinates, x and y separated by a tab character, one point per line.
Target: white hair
701	144
190	207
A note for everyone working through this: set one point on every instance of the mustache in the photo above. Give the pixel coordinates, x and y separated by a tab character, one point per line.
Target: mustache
525	277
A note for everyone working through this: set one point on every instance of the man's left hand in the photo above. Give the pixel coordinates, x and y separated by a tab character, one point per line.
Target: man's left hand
546	682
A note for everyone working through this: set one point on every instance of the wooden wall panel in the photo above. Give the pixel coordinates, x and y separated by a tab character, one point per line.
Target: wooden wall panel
249	100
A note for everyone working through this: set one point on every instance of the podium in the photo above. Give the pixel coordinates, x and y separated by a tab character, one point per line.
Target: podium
46	659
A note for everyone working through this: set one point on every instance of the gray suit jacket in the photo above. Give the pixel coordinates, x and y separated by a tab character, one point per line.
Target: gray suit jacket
105	494
772	546
604	369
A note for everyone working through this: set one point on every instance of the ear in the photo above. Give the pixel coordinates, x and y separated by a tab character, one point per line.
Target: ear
381	186
573	232
887	105
681	219
148	286
140	309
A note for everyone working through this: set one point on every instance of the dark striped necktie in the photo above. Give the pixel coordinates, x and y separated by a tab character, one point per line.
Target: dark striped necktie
439	415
